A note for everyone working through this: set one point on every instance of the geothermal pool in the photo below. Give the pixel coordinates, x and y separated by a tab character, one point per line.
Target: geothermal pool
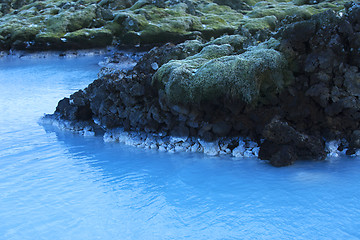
59	185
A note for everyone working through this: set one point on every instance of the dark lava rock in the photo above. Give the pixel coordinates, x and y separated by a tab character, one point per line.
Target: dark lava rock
221	128
355	139
180	131
278	155
284	145
284	157
75	108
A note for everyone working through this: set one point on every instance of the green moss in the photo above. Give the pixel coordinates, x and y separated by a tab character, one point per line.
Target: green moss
252	76
11	25
139	4
280	11
176	76
146	21
25	33
16	30
56	26
236	4
192	47
49	39
129	21
294	8
218	20
116	4
81	18
88	38
236	41
272	43
214	51
156	24
256	24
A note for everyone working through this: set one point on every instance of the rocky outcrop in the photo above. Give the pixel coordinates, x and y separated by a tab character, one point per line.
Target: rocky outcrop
325	63
244	77
323	100
287	93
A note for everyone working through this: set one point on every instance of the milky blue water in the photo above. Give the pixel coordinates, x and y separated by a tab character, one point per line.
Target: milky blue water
58	185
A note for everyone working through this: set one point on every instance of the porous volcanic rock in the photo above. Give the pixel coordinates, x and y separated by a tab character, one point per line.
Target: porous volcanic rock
283	145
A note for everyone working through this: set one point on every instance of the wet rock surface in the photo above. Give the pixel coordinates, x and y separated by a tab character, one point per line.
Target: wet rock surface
189	97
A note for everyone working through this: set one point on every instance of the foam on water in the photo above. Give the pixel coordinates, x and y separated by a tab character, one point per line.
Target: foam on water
59	185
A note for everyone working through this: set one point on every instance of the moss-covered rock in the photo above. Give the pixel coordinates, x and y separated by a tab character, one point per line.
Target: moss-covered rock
147	23
215	74
89	38
71	20
281	10
236	41
44	23
257	24
213	51
237	4
117	4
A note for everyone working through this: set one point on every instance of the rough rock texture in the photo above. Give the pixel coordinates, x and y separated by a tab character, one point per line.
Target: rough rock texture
284	145
325	63
244	77
287	93
324	99
63	24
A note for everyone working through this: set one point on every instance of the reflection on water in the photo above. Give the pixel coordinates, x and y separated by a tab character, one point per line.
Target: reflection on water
58	185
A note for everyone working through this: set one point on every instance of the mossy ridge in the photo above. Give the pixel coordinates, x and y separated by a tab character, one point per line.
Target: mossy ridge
256	24
117	4
283	9
236	41
94	37
46	22
151	24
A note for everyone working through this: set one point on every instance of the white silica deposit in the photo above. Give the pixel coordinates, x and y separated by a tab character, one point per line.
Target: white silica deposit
183	144
236	147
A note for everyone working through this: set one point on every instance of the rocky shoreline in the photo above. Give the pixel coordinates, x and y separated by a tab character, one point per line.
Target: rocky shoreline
159	141
273	79
237	147
286	94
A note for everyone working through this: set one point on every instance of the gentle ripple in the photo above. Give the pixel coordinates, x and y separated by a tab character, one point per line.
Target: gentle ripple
58	185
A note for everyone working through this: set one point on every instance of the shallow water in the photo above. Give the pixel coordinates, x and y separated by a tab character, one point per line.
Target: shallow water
59	185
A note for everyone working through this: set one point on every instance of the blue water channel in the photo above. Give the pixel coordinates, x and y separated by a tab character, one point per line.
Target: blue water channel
59	185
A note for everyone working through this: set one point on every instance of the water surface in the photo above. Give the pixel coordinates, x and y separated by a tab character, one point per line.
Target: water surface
58	185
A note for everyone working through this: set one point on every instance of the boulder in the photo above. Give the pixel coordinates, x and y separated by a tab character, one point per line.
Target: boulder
278	155
75	108
211	75
355	139
88	38
283	144
221	128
